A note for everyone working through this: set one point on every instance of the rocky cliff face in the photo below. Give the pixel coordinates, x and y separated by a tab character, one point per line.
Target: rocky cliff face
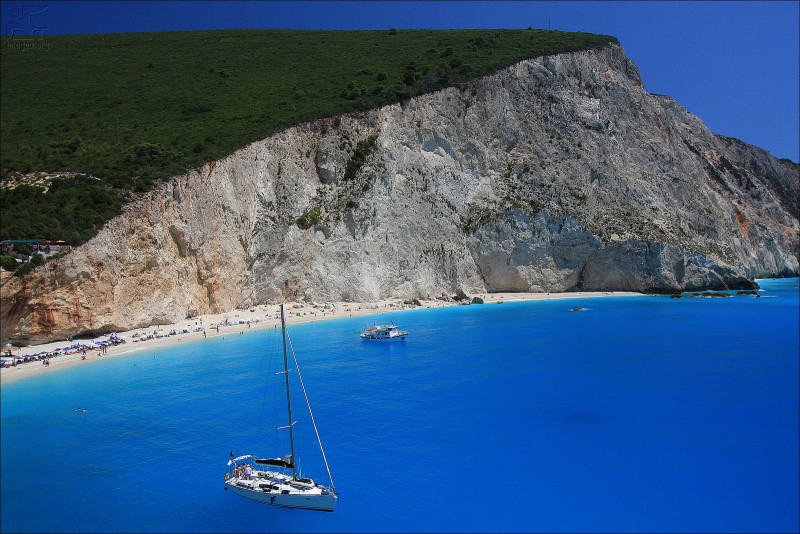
555	174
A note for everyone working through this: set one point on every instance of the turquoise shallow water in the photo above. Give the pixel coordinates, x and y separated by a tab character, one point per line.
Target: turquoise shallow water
640	414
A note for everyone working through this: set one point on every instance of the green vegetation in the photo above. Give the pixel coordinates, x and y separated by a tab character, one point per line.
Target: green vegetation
8	263
132	109
73	209
310	218
363	149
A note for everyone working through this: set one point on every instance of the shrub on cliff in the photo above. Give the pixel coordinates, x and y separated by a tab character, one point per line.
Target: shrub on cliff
310	218
8	263
364	148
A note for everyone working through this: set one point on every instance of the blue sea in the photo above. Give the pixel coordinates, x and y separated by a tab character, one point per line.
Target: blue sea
639	414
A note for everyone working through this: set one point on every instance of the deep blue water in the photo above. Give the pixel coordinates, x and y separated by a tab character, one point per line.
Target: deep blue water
640	414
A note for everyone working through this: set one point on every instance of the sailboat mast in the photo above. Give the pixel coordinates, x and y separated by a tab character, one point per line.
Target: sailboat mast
288	398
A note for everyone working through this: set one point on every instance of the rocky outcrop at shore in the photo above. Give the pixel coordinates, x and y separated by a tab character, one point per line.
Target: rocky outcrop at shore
555	174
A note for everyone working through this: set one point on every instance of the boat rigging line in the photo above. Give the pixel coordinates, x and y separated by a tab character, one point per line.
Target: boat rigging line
311	413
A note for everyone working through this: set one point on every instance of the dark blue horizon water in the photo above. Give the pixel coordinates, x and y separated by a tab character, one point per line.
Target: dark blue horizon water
639	414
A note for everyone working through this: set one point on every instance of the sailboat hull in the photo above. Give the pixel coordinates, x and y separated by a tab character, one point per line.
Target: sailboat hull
306	500
323	503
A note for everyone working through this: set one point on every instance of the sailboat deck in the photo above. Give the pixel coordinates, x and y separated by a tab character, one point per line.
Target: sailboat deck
282	490
272	482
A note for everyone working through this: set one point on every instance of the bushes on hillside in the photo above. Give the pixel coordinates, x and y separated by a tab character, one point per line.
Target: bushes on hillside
147	124
363	149
8	263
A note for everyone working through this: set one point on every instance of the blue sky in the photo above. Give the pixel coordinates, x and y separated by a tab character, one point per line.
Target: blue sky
736	65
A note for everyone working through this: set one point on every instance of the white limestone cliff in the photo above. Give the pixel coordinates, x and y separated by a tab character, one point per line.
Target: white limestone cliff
557	173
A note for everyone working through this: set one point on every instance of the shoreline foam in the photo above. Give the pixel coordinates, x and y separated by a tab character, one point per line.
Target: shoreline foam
265	313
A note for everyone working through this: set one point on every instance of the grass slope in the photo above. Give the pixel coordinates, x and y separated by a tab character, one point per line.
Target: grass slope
130	109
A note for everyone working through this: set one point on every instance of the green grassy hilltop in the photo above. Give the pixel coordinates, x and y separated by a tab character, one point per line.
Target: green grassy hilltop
130	109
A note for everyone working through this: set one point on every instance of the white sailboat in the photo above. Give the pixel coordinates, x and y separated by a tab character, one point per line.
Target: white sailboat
274	480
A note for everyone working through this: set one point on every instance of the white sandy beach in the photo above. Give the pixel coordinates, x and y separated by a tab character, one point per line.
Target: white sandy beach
238	320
